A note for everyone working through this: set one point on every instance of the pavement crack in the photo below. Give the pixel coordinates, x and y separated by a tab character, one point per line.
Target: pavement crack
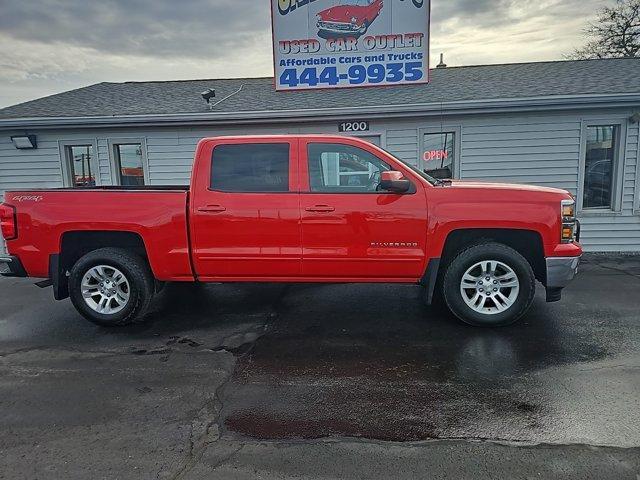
227	458
207	428
614	269
55	348
204	430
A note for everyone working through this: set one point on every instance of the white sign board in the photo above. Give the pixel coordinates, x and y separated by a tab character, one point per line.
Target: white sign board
350	43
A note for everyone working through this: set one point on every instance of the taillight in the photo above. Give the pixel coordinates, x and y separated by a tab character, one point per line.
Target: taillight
8	222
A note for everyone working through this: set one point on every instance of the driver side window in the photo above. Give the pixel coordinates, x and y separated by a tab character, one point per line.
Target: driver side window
337	168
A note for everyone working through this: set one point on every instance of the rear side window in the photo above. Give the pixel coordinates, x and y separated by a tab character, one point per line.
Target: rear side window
252	167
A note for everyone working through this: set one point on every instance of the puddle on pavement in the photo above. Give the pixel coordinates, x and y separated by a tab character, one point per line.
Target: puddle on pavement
390	369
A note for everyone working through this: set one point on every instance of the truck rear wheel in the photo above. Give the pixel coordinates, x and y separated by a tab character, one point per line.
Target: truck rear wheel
111	287
489	285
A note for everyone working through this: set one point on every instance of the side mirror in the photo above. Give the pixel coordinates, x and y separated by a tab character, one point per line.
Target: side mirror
395	182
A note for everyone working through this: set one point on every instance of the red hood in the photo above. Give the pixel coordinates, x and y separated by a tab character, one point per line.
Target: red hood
341	13
507	186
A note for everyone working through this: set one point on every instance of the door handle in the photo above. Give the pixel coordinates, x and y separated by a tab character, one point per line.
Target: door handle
320	208
212	209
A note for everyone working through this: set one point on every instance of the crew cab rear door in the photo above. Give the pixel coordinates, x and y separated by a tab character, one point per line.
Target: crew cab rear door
245	217
350	229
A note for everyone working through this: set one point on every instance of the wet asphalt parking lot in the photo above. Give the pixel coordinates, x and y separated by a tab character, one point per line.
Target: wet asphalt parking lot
323	381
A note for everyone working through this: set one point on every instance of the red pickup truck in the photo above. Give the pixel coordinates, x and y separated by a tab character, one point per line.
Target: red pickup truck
296	209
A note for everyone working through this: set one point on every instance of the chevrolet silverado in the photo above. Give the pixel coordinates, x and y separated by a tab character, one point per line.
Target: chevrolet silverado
296	208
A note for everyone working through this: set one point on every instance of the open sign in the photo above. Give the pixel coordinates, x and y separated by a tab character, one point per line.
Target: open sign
435	155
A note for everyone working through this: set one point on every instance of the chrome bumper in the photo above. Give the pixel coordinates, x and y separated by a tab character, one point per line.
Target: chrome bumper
336	27
561	270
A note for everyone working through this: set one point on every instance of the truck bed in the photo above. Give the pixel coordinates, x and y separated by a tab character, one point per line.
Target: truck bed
158	215
115	188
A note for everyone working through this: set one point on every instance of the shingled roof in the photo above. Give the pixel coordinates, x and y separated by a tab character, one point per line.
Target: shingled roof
454	84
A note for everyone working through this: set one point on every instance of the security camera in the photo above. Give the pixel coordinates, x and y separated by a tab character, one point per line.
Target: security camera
208	94
635	118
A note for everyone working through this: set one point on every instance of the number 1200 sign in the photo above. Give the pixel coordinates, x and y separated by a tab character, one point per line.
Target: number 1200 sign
355	75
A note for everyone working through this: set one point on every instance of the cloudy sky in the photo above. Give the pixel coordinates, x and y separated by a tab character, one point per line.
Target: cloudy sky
49	46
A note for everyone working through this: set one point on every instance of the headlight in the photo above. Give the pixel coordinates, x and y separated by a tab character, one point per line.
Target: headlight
568	213
568	209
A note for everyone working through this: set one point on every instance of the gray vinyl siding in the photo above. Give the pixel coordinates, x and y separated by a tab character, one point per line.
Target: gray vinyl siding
170	157
542	152
404	144
541	149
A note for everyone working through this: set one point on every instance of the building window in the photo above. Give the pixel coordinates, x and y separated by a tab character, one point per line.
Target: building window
250	168
601	154
129	162
80	165
337	168
438	154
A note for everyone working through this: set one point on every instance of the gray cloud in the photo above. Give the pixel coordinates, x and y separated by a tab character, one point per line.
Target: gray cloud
188	28
48	46
470	8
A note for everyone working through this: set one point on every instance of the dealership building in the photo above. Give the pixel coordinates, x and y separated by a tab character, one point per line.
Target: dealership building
570	124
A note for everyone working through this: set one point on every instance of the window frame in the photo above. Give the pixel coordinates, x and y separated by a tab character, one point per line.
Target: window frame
306	159
636	187
63	148
113	143
457	144
292	147
619	165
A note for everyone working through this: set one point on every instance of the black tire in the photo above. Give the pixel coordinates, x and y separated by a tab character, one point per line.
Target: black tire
482	252
137	273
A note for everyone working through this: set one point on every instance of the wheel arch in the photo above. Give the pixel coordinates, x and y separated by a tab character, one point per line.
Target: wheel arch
75	244
528	243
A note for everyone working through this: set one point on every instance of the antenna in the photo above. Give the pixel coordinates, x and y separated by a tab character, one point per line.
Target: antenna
212	105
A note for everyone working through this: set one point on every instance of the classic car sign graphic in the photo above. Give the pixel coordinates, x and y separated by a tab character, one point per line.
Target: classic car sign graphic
349	17
350	43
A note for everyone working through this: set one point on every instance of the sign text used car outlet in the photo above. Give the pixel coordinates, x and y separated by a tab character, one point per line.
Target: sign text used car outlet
350	43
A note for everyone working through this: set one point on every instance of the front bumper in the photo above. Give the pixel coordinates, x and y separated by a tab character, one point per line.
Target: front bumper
560	272
11	266
337	27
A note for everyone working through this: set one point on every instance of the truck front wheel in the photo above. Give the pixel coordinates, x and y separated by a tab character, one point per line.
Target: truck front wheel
489	285
111	287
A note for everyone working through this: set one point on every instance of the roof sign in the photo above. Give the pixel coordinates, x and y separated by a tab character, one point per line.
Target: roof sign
350	43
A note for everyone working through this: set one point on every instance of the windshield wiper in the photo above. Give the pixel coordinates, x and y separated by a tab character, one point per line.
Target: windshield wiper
438	182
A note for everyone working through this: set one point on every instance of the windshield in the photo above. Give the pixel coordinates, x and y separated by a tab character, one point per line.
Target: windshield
359	3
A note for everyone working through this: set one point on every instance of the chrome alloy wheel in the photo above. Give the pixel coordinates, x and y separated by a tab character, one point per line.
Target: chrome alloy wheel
105	289
490	287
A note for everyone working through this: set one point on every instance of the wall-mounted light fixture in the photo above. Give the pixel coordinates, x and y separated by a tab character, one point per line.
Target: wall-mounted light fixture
635	118
24	142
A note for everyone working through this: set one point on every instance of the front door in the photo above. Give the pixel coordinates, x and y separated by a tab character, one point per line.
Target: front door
350	229
245	215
